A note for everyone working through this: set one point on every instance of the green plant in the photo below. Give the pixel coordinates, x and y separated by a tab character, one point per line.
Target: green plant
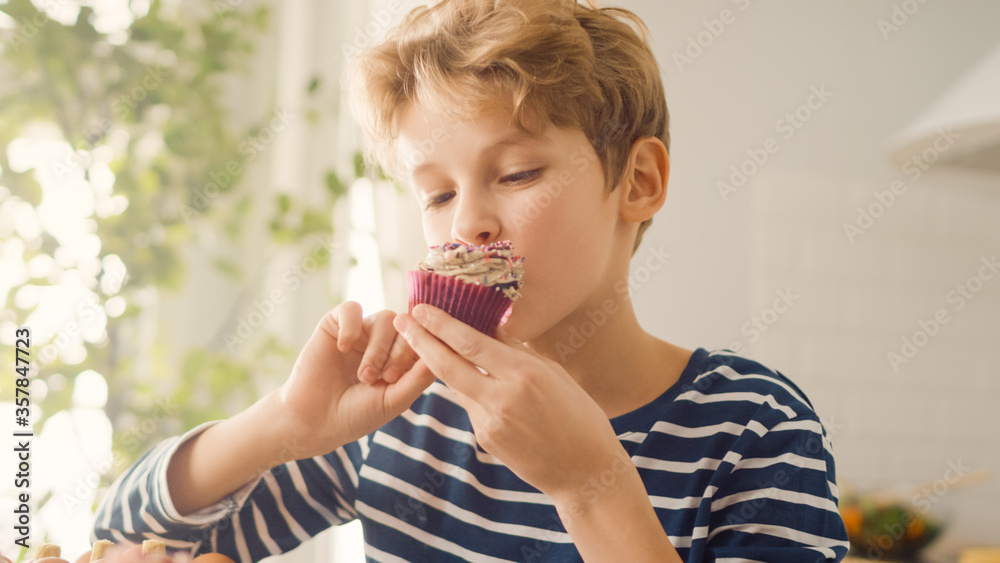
148	143
886	529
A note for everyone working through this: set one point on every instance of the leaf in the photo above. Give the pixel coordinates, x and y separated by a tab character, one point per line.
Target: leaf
284	203
336	187
359	164
261	18
193	364
24	186
97	92
313	221
244	205
313	85
283	235
228	267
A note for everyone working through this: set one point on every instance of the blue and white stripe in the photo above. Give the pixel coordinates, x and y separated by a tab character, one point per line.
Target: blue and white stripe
736	462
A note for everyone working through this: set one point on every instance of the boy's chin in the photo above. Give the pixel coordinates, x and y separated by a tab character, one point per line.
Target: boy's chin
517	326
524	326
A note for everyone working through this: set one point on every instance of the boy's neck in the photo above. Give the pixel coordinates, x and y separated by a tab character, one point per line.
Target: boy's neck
620	365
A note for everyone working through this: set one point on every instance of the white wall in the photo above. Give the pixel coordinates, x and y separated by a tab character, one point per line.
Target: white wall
783	230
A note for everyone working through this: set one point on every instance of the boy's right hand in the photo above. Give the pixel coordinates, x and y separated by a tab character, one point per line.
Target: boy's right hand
335	394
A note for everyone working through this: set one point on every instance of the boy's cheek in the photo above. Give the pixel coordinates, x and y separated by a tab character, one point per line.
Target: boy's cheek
437	228
543	204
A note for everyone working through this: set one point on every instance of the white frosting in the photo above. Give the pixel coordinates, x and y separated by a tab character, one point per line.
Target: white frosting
490	265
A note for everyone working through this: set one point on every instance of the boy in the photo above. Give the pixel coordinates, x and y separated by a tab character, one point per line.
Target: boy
543	123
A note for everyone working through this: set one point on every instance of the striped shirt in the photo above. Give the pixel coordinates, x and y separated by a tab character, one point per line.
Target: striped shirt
736	462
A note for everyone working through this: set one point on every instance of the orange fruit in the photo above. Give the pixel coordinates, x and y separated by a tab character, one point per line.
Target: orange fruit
853	519
915	529
212	558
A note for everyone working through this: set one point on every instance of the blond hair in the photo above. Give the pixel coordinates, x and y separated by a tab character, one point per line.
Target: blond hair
566	63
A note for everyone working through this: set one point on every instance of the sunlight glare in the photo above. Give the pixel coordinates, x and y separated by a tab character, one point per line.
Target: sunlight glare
90	390
364	279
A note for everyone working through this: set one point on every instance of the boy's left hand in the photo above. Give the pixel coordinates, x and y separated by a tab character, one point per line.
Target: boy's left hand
526	410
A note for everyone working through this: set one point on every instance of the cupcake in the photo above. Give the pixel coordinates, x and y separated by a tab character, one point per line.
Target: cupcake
475	284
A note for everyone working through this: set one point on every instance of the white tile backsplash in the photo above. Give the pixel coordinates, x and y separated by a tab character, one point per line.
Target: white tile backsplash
859	301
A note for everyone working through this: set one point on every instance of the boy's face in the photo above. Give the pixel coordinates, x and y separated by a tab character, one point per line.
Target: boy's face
485	180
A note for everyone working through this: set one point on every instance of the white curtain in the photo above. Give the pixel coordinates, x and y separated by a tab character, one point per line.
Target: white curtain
312	39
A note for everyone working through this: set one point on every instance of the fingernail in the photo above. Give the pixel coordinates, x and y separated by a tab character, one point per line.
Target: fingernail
420	314
391	374
400	323
368	374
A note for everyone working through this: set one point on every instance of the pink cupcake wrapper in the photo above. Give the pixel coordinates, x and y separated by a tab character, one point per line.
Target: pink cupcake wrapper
483	308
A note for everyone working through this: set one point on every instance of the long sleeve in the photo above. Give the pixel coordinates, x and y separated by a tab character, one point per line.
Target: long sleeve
300	499
734	458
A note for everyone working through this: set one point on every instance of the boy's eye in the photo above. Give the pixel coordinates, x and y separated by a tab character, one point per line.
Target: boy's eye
519	177
438	200
516	178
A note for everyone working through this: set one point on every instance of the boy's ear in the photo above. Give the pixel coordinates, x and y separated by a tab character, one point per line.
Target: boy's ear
644	188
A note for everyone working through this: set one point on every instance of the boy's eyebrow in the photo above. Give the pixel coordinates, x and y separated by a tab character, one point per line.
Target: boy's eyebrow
517	138
512	139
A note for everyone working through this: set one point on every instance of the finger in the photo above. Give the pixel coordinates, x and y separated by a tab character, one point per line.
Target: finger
443	362
380	337
488	353
401	394
126	552
132	553
401	359
348	316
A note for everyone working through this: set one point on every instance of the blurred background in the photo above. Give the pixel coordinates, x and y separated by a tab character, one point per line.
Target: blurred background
181	200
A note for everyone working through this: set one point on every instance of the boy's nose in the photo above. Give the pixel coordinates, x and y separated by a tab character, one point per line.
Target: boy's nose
481	239
475	222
